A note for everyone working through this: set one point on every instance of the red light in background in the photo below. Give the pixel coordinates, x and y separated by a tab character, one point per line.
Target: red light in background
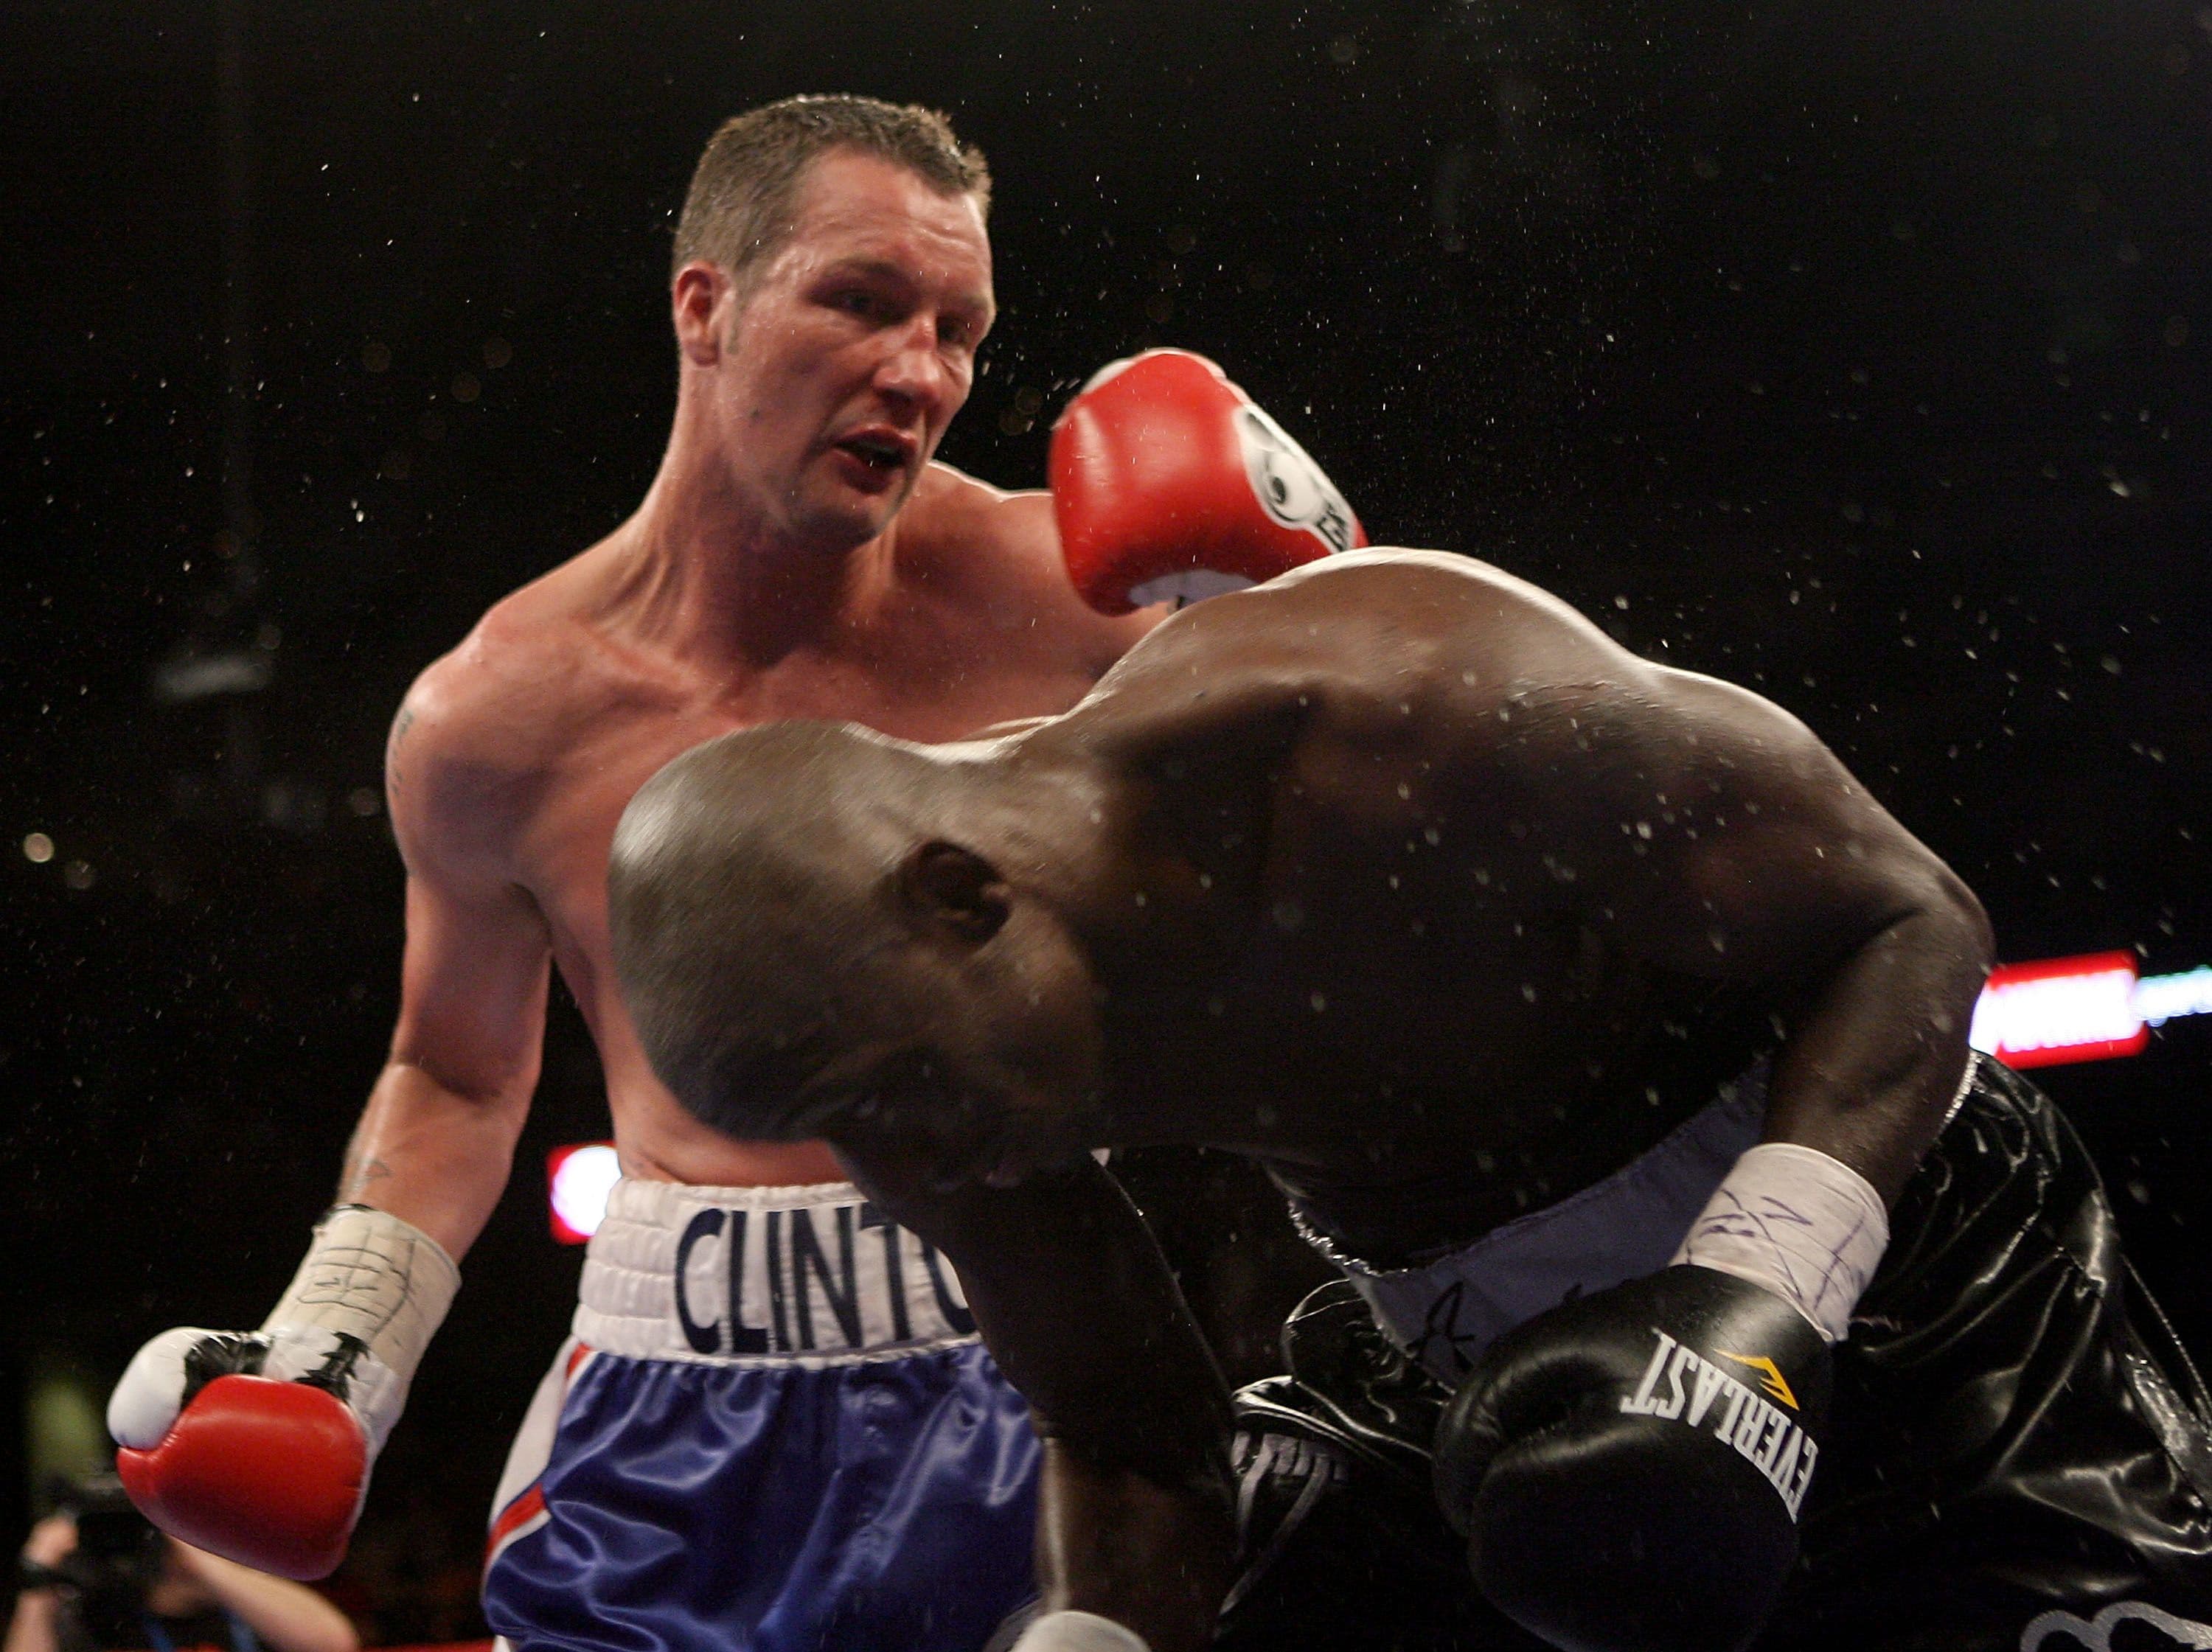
2077	1009
577	1182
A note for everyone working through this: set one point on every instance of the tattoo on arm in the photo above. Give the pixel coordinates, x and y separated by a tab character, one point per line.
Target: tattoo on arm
359	1176
400	725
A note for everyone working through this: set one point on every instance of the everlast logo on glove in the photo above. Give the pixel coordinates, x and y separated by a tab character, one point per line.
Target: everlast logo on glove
1696	1392
1579	1448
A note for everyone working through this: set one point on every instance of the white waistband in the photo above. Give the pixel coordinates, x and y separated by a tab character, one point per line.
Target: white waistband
820	1277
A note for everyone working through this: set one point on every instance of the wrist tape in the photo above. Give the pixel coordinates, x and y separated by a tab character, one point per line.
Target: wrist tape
1078	1631
1806	1226
370	1294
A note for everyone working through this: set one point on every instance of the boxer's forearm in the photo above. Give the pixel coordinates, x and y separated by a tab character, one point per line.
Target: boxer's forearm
433	1156
1154	1558
1873	1064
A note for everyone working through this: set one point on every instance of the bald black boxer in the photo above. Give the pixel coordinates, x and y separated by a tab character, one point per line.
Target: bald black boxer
1597	1023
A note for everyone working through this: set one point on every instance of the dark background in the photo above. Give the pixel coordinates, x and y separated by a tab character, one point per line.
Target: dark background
1858	354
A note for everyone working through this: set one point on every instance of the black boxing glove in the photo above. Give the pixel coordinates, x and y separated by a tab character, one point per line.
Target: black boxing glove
1628	1469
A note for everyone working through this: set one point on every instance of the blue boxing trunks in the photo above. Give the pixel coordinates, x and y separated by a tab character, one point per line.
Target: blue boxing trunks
774	1430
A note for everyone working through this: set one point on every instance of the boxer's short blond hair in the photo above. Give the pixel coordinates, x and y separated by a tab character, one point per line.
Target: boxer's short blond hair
740	208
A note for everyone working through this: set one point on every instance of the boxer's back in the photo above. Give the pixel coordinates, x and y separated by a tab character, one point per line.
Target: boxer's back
1412	785
516	753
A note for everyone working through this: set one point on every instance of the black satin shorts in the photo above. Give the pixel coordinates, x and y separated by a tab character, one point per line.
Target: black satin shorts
2019	1457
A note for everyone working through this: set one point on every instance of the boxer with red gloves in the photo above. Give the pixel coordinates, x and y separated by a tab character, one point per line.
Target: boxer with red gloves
1603	1032
799	555
1169	484
256	1445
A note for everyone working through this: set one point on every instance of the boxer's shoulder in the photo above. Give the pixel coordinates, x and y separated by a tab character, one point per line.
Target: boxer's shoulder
1428	640
1457	599
484	726
1508	667
999	551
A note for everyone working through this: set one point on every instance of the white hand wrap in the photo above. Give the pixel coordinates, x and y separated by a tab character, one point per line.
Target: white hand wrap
1079	1632
1806	1226
371	1277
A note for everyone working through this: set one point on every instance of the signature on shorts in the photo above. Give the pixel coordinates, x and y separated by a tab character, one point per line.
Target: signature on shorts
2096	1635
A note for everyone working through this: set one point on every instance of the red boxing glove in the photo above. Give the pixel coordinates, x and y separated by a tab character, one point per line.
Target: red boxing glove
1168	483
256	1445
266	1472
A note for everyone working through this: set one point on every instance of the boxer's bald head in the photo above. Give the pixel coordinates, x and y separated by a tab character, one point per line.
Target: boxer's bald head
814	940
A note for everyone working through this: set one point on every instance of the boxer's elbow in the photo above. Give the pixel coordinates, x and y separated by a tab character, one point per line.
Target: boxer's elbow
1925	951
1977	940
1953	930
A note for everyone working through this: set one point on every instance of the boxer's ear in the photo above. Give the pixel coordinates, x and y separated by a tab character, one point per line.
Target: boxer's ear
956	888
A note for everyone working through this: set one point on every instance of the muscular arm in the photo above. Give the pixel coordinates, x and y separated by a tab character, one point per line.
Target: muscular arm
437	1139
1694	826
1137	1523
1716	837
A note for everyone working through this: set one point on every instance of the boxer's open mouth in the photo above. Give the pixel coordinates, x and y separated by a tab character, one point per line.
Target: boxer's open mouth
882	450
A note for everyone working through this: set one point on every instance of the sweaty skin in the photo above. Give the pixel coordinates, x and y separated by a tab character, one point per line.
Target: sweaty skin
1395	874
773	570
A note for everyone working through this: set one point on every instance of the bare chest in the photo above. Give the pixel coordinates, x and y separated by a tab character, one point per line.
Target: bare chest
561	849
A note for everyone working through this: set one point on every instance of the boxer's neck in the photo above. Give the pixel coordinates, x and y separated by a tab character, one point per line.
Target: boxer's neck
711	577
